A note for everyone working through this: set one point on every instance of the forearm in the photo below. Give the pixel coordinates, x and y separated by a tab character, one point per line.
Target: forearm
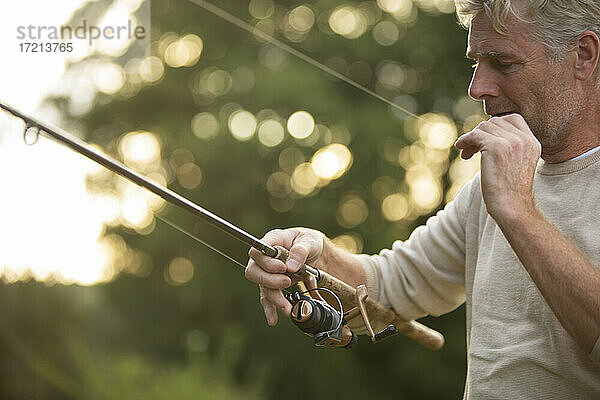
567	279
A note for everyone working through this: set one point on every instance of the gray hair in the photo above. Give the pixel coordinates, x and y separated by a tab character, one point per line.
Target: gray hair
557	23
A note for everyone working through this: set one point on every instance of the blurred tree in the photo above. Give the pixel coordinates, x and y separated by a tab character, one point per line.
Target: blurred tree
233	118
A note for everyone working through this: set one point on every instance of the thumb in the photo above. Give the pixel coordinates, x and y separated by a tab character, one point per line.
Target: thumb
467	145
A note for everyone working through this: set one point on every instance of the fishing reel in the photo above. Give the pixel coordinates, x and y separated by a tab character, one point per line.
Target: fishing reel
316	318
328	326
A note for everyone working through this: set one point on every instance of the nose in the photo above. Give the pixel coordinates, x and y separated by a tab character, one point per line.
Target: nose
482	85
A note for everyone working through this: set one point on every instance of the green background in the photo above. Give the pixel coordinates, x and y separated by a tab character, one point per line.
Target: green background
141	337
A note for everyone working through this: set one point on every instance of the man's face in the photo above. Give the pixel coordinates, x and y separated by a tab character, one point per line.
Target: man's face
514	75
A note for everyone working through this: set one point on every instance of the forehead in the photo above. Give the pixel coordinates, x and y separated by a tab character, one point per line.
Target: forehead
484	40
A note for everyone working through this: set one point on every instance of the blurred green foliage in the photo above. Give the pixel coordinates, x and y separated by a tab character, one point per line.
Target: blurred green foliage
143	338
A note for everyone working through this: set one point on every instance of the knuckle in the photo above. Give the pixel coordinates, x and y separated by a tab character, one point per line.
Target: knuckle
272	296
300	249
253	253
482	123
283	304
276	282
249	273
274	266
271	236
268	282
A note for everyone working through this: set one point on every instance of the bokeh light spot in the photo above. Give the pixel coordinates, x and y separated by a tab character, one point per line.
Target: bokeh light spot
151	69
426	192
352	211
278	184
218	82
189	175
350	242
400	9
331	162
184	52
348	22
437	131
205	125
135	213
261	9
290	158
395	207
242	125
304	181
386	33
139	148
270	133
108	77
300	124
180	270
391	74
302	18
460	172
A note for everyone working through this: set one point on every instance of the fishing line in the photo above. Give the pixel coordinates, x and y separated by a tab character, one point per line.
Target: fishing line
219	12
197	239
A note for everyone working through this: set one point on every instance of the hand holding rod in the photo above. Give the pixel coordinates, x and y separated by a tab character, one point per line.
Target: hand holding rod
431	339
427	337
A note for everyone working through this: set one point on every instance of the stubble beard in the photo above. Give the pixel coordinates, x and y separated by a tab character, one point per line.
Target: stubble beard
555	117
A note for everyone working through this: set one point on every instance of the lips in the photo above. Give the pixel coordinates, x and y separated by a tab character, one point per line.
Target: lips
502	114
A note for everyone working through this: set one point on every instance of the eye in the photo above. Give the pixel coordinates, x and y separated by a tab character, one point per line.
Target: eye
503	65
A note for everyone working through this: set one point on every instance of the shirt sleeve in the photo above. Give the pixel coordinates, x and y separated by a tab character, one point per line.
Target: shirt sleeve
595	354
424	275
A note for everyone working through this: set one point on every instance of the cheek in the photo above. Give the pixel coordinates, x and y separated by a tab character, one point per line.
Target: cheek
540	96
551	96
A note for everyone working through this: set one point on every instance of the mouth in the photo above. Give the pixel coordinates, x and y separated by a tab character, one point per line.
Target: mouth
502	114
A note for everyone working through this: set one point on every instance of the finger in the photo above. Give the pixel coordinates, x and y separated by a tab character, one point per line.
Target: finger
478	137
478	140
297	257
278	300
500	127
469	152
267	263
516	120
280	237
469	144
268	307
505	125
258	275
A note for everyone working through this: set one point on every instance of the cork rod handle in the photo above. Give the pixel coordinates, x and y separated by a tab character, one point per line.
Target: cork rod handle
431	339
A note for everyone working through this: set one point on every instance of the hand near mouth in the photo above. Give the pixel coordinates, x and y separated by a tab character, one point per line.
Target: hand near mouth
509	155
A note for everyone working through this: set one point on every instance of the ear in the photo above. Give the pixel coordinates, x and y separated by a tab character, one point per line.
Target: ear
587	50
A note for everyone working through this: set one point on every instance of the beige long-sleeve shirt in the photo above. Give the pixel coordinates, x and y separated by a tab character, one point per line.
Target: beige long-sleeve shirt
516	347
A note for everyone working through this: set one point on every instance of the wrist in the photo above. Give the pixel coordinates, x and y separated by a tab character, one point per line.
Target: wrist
517	214
324	260
342	264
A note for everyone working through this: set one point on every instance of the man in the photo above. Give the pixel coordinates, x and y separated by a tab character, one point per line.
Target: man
520	243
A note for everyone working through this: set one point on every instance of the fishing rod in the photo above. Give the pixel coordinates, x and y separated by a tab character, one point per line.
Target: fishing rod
310	312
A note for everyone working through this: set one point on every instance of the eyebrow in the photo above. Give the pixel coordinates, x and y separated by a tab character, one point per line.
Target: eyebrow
488	54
